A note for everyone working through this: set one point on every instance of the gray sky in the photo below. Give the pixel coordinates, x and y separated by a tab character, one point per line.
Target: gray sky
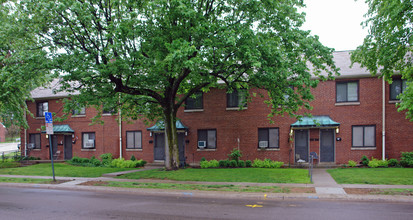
336	22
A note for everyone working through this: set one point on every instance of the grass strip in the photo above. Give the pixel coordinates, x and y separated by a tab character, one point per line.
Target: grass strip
253	175
376	176
25	180
202	187
61	169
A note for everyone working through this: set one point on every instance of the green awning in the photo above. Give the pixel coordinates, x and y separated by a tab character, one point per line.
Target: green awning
315	122
58	129
160	126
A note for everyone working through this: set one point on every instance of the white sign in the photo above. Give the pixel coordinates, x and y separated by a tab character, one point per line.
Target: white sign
49	122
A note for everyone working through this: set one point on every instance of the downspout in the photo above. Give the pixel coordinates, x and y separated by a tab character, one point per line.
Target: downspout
25	137
383	144
120	130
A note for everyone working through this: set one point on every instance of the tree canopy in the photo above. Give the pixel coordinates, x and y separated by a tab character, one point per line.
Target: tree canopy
387	49
158	53
23	65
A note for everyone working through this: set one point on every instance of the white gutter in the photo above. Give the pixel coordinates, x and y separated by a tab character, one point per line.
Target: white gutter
25	137
383	144
120	130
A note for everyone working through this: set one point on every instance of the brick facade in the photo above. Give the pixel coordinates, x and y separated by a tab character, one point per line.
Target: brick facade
2	133
239	128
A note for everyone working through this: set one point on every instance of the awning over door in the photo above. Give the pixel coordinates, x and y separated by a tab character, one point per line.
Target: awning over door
160	126
315	122
59	129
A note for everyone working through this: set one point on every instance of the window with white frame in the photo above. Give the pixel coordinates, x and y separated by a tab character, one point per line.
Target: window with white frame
397	87
34	141
237	98
134	140
363	136
207	139
42	107
88	140
347	91
268	138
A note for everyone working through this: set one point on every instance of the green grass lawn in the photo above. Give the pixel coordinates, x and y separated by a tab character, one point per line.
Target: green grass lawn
253	175
25	180
378	176
45	169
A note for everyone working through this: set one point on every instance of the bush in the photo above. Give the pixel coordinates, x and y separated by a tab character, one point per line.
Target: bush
248	163
209	164
122	163
235	154
241	163
267	163
352	163
407	159
223	163
233	163
393	162
203	159
377	163
132	158
107	156
365	160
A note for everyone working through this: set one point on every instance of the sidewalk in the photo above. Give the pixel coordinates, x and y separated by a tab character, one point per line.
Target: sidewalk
324	184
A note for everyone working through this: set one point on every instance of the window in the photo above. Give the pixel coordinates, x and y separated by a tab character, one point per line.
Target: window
108	109
347	91
364	135
236	99
88	140
34	140
209	137
398	86
80	111
134	140
195	102
268	138
42	107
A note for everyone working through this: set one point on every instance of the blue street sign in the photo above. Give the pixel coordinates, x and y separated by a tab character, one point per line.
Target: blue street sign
48	117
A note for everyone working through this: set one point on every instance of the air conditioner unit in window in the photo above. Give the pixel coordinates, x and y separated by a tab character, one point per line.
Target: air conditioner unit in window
90	144
201	144
31	145
263	144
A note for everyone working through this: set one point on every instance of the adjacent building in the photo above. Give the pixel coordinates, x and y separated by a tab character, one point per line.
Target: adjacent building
353	115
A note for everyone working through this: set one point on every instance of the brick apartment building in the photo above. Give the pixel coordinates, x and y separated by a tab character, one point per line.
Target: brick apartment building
3	132
355	115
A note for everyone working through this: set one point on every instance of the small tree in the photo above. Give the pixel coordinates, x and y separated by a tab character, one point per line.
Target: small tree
235	154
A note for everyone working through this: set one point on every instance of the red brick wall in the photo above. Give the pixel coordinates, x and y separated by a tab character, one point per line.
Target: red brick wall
2	133
233	125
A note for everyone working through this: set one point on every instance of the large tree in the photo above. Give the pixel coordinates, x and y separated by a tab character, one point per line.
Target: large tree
388	47
23	65
157	53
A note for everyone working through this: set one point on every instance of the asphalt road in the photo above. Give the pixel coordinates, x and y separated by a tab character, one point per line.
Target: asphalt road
8	147
32	203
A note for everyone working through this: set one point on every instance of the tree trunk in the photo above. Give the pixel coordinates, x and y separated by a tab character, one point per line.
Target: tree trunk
171	141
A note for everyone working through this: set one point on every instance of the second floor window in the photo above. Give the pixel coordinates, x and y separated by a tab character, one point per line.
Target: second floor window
80	111
194	102
236	99
398	86
347	91
42	107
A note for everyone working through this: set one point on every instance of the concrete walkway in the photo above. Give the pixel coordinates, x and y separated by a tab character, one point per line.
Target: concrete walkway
325	184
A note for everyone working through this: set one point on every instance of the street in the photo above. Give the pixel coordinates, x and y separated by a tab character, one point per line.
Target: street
32	203
8	147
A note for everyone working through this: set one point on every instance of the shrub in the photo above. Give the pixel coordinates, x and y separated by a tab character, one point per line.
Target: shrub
377	163
107	156
365	160
203	159
233	163
235	154
248	163
132	158
241	163
223	163
209	164
267	163
393	162
122	163
352	163
407	159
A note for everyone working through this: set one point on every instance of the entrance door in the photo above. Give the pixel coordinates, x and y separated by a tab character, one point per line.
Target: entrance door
327	145
301	145
54	143
159	147
68	147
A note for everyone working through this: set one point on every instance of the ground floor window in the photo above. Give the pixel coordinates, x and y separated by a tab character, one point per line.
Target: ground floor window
364	135
34	141
134	139
268	138
88	140
207	139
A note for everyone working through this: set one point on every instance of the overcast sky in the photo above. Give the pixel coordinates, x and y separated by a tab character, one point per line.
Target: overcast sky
336	22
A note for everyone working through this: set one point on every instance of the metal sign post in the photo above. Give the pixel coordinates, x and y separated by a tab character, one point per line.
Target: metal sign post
49	131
